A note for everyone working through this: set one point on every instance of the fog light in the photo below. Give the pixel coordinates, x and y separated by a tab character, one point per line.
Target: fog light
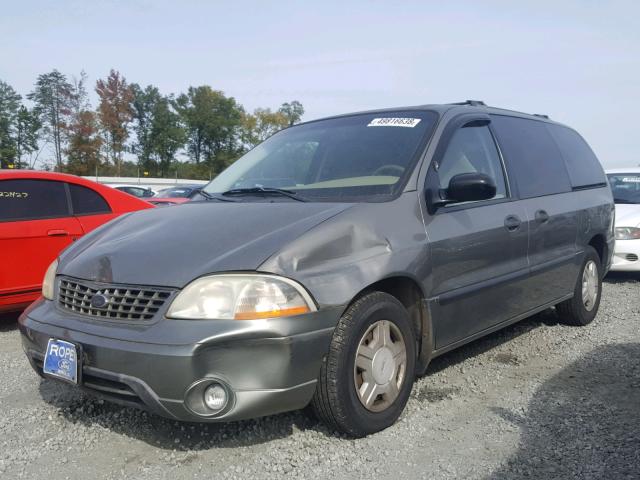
215	397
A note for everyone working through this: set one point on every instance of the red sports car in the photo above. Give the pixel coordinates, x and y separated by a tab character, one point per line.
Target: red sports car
40	214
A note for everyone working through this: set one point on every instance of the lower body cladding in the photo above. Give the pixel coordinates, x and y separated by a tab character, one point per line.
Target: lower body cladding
245	374
626	256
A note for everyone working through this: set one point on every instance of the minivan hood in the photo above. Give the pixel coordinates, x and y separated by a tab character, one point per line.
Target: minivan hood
627	215
171	246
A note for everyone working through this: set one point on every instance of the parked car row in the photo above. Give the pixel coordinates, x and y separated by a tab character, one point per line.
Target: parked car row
166	196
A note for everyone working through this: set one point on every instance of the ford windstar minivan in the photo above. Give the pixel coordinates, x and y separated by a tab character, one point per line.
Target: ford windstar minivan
329	265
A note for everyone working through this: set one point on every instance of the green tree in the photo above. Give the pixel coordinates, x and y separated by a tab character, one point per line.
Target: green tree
115	112
144	104
27	134
9	108
214	126
293	111
51	96
260	125
167	135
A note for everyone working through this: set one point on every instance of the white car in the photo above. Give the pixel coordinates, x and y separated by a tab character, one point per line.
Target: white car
625	185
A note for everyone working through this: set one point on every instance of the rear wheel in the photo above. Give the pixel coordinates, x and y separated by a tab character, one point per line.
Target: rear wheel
583	307
366	378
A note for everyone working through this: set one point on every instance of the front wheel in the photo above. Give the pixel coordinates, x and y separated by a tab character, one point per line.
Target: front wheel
366	378
583	307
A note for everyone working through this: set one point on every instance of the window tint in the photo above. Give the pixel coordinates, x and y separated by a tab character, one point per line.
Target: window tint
32	199
531	155
472	150
582	164
86	201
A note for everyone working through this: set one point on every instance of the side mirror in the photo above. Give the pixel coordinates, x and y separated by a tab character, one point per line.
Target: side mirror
470	187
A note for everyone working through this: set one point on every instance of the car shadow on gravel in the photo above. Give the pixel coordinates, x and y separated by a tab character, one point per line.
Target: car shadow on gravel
78	408
9	321
583	422
91	412
547	317
622	277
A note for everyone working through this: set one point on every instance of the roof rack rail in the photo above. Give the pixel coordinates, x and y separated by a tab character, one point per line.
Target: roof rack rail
542	115
474	103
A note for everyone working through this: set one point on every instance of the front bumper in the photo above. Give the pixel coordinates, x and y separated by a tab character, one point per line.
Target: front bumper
626	256
269	366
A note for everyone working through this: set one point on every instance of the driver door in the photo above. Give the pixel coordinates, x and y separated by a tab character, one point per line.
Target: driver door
478	249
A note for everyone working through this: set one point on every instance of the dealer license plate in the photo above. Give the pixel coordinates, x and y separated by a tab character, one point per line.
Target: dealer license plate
61	360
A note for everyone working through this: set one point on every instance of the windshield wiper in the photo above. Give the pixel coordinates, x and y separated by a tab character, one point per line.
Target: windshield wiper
268	190
208	196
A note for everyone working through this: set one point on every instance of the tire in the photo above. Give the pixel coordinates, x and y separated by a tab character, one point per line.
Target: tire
336	401
577	311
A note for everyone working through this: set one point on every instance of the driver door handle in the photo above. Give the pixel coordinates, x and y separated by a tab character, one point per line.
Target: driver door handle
542	216
57	233
512	223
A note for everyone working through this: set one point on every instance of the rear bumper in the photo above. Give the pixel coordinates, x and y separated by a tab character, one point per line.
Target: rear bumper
266	370
626	256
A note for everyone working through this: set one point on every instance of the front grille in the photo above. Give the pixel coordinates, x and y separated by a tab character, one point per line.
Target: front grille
119	302
632	257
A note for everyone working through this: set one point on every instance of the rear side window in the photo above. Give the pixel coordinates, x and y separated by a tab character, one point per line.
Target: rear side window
532	156
582	164
32	200
86	201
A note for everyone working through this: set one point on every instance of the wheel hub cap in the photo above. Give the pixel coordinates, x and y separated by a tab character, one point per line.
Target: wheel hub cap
590	285
380	366
383	366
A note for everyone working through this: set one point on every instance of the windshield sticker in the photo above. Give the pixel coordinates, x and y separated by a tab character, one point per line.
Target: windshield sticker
631	179
394	122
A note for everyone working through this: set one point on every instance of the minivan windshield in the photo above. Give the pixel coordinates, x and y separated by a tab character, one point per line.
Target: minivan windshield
363	157
625	187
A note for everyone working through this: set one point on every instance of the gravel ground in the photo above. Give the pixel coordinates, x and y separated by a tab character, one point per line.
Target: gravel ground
537	400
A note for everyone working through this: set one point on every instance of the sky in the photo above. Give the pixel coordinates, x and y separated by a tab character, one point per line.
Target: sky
576	61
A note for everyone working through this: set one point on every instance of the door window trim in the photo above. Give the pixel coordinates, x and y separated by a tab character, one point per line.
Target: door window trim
444	141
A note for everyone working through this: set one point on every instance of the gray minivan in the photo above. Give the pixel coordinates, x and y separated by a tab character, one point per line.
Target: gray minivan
329	265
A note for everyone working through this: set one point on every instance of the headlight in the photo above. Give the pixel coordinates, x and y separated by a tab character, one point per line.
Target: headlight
240	297
627	233
49	279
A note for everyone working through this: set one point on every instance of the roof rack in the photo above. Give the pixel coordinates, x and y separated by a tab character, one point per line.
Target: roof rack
474	103
541	115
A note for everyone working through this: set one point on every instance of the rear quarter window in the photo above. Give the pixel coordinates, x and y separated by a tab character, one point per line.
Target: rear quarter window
532	156
582	164
86	201
23	199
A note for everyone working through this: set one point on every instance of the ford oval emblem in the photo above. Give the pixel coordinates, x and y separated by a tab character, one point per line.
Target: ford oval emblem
99	300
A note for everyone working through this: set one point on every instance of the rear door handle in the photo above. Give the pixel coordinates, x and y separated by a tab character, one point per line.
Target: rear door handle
542	216
57	233
512	223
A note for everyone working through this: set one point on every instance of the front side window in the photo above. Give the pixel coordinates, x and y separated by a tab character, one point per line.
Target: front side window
625	187
472	150
364	157
23	199
86	201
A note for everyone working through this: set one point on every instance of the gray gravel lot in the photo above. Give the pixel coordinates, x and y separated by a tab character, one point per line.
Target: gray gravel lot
537	400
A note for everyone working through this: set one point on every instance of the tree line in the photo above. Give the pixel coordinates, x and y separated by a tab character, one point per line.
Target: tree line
130	122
